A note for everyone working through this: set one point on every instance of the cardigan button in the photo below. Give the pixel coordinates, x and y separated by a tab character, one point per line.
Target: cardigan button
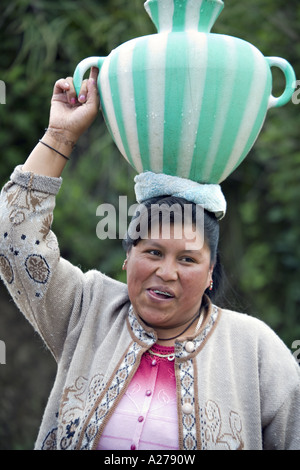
190	347
187	408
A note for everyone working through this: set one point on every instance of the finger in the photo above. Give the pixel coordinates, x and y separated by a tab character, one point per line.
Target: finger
82	95
61	86
94	74
84	90
64	91
70	91
93	98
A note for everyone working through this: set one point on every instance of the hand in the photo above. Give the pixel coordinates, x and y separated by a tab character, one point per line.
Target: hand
69	115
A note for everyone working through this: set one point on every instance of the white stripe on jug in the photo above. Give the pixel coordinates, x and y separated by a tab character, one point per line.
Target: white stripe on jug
251	111
156	78
109	107
192	16
127	102
165	13
227	82
193	98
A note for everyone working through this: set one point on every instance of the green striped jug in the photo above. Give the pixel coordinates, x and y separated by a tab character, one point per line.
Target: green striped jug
185	101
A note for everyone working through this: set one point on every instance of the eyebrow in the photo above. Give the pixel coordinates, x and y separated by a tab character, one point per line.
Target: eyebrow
158	245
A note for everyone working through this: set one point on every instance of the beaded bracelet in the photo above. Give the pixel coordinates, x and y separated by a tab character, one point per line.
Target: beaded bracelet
59	153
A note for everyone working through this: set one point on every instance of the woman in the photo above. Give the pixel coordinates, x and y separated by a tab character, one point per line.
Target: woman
152	364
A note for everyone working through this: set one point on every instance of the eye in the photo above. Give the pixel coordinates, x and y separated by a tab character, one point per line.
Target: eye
154	252
188	259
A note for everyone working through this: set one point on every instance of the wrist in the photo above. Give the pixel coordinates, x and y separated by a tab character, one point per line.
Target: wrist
63	140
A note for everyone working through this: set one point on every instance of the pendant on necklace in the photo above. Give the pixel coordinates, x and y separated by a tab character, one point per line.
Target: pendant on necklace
170	357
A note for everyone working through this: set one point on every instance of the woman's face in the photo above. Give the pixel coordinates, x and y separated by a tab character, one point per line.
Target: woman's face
167	278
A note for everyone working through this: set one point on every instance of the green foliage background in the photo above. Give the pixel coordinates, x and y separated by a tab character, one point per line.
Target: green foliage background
41	41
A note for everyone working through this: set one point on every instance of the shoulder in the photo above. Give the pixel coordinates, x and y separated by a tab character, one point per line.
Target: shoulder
96	281
257	342
109	282
243	327
246	325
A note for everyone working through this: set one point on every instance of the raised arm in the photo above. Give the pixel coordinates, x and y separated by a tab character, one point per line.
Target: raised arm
46	288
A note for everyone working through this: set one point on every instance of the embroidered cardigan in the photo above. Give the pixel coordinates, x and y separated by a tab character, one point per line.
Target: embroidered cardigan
238	386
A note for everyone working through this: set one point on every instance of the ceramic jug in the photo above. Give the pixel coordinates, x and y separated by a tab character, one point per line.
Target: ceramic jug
185	101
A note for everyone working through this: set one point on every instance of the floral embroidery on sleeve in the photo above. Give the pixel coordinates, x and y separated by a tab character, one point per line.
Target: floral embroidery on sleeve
6	269
37	268
21	201
46	226
16	217
29	199
50	441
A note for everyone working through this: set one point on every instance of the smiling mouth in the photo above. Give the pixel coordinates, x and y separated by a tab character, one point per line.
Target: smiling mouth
161	294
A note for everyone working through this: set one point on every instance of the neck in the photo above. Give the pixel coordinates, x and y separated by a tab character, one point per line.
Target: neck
167	336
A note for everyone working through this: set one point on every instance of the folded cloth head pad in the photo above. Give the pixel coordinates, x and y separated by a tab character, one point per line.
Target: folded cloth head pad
209	196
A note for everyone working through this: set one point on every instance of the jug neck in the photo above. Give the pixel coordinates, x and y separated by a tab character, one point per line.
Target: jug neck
183	15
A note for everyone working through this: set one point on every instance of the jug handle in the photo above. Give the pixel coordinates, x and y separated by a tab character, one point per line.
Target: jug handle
82	68
290	79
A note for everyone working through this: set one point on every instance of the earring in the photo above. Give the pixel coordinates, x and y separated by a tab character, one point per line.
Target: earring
211	285
124	264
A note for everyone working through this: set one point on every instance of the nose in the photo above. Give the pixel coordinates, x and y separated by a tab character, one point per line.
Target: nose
167	270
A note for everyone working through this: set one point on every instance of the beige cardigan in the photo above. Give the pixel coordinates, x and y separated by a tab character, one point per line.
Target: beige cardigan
238	389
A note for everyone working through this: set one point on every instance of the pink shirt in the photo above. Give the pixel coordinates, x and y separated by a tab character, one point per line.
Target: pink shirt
146	416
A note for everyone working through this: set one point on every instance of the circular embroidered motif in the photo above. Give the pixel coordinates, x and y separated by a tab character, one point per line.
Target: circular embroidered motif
37	268
6	269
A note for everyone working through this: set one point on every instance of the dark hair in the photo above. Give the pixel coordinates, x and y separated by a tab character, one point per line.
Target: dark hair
144	213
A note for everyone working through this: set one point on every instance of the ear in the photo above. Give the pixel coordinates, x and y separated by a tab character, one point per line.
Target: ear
210	276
